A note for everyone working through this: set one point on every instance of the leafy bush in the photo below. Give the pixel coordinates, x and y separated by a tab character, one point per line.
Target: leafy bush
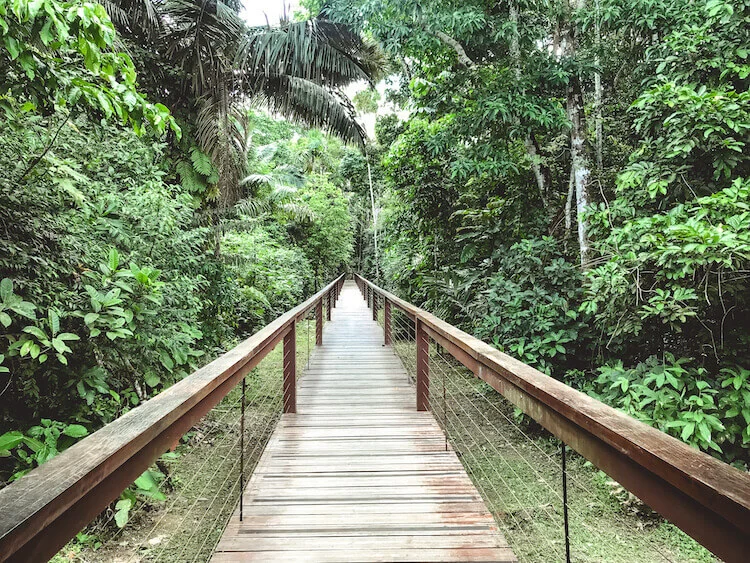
683	400
680	272
271	276
531	305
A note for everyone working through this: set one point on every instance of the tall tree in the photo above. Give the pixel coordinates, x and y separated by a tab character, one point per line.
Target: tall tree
207	64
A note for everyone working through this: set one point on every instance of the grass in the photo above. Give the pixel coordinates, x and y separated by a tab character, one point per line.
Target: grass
201	478
516	466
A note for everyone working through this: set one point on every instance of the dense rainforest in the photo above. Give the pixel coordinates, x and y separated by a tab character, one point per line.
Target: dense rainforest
140	240
571	185
568	180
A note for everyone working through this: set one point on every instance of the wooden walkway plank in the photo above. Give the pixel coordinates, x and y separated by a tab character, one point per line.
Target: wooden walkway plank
357	474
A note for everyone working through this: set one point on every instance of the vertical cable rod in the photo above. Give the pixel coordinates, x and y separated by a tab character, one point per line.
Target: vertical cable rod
242	446
565	503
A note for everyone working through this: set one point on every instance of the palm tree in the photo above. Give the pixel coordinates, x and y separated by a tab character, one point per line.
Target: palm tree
207	65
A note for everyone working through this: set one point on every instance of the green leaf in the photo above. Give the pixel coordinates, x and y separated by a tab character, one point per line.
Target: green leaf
6	289
166	361
23	308
122	512
68	336
60	346
35	331
687	431
113	260
146	481
75	431
152	380
10	440
54	321
5	319
90	318
33	444
705	431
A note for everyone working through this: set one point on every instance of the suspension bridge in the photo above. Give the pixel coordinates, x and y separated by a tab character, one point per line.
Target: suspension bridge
384	450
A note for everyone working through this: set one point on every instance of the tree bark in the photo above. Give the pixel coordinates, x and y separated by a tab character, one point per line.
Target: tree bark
579	144
580	165
374	221
598	119
463	58
598	95
569	202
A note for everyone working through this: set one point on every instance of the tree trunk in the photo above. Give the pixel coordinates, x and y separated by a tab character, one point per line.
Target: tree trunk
598	120
598	95
580	167
374	221
463	58
579	144
569	202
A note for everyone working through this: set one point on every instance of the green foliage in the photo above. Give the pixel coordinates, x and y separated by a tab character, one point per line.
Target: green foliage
479	201
366	101
57	55
531	305
327	239
684	401
38	444
145	487
388	128
101	292
272	277
683	269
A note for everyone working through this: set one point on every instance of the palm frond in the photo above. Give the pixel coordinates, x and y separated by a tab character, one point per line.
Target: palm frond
317	50
136	17
312	104
257	180
298	212
201	42
253	207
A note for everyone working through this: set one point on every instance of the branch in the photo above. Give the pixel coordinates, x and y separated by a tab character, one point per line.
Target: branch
38	159
463	58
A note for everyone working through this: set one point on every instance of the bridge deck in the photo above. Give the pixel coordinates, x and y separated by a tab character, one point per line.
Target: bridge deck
357	474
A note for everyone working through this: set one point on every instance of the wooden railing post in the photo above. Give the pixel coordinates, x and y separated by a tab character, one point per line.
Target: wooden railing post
328	309
290	370
374	306
387	320
319	323
423	366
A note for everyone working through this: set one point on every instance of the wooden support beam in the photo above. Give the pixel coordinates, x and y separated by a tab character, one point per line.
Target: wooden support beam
290	370
387	321
328	308
319	323
374	306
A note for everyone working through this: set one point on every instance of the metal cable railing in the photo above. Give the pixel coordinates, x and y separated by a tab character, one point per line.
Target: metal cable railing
48	506
523	470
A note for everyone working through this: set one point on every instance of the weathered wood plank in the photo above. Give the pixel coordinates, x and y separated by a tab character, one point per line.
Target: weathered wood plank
357	474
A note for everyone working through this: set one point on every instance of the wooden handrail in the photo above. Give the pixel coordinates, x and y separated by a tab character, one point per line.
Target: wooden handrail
40	512
703	496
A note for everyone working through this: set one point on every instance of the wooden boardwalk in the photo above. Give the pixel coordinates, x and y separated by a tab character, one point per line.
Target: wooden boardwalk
358	474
